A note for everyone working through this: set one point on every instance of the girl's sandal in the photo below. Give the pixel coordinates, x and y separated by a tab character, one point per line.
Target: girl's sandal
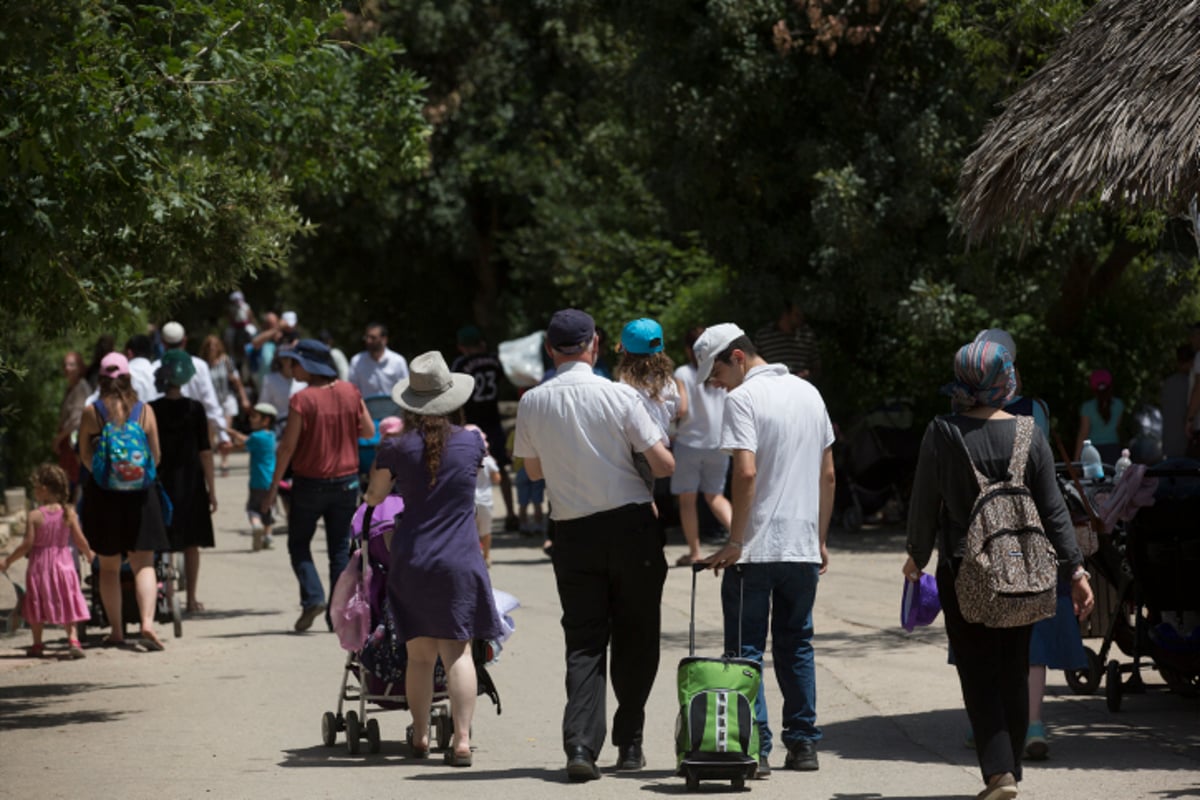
36	650
75	649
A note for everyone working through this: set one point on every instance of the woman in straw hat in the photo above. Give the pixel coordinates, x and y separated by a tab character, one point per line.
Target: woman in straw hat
438	583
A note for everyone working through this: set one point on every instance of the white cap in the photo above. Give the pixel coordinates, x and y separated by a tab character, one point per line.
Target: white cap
289	318
711	344
172	333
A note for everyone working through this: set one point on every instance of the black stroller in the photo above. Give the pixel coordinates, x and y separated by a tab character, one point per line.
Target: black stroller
167	608
1155	605
875	460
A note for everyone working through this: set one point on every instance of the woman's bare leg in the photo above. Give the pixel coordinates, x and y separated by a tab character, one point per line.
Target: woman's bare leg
146	587
110	595
418	686
689	520
191	570
460	672
721	509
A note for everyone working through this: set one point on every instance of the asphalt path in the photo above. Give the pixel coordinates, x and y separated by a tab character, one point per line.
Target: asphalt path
232	709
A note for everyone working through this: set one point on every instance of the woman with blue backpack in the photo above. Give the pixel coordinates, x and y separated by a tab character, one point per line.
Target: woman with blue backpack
122	517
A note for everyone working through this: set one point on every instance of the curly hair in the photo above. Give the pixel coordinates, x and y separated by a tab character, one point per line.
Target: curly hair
434	431
52	477
650	372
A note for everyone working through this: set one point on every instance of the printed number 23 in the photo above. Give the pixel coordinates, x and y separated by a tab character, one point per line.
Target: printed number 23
485	387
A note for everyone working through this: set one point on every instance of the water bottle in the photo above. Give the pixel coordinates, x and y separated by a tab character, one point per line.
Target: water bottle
1093	468
1123	464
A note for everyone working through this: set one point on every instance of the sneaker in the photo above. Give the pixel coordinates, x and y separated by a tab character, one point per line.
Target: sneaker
256	536
1036	748
266	542
308	615
764	769
802	757
1003	789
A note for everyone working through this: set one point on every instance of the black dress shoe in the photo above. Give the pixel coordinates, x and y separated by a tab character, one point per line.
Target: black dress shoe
580	765
802	757
630	758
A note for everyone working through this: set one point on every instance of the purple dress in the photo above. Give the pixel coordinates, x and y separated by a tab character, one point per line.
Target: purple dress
438	583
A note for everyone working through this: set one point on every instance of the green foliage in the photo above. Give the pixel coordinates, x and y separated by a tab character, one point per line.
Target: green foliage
156	152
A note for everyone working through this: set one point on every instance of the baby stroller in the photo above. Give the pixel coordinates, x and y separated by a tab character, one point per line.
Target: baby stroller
374	671
166	604
875	462
1161	557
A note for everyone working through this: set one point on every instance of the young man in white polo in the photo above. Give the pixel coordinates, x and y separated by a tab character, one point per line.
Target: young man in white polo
779	434
579	431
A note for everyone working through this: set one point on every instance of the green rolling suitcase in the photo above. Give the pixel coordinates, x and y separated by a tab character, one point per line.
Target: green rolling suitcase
715	735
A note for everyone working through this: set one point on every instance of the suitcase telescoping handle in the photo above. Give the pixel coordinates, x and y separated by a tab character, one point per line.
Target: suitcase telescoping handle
696	570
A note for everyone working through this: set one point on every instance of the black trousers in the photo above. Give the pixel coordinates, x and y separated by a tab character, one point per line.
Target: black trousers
610	571
993	668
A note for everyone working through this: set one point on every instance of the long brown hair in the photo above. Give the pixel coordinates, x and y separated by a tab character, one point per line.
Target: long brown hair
52	477
650	372
435	431
212	349
118	388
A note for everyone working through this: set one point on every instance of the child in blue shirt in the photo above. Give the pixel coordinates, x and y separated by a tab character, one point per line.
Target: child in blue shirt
260	444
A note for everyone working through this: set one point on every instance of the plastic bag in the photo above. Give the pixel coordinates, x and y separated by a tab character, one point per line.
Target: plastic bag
522	360
350	608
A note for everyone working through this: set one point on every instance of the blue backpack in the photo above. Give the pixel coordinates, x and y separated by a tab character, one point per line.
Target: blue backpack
122	460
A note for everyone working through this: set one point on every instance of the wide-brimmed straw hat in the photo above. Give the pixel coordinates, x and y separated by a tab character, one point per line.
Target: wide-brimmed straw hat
431	389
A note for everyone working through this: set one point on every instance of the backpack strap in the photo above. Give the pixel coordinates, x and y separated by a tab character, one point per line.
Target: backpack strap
1020	456
101	411
135	413
951	430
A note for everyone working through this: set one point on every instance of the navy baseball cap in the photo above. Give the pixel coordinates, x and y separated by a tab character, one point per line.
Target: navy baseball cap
571	331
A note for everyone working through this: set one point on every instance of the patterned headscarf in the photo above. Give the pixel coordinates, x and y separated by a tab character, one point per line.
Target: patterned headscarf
985	376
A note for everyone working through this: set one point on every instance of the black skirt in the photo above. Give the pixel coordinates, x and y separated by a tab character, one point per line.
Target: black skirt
118	523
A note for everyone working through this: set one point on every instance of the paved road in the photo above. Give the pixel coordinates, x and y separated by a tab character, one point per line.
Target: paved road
232	709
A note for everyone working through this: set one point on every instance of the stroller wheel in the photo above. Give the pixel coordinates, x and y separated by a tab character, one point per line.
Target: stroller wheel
353	732
372	735
1086	681
176	616
329	728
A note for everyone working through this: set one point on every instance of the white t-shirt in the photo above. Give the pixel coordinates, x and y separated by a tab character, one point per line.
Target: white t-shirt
585	429
701	428
483	482
782	420
373	377
664	409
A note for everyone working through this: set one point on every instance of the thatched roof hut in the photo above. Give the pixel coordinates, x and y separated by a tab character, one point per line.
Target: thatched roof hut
1114	112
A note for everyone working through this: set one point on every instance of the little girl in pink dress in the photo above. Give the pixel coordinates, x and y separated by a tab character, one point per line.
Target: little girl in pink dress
52	593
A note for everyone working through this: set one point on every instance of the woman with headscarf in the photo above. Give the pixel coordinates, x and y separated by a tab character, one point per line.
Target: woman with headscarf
186	468
122	524
992	663
438	584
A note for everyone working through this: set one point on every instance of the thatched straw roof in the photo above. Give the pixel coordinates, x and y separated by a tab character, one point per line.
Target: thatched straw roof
1114	111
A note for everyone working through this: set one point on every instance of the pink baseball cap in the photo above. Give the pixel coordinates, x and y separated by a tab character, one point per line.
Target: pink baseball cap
390	425
114	365
1100	379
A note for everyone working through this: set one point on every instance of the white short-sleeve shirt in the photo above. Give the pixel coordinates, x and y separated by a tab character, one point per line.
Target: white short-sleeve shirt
782	420
701	428
584	428
373	377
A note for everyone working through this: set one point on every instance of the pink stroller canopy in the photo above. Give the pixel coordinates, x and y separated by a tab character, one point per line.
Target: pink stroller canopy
384	518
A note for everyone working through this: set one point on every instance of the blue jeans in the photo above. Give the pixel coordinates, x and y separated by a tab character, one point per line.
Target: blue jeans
335	500
791	588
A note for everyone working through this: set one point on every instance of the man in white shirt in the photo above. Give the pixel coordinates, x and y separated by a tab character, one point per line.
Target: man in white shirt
579	431
777	429
377	369
138	350
200	387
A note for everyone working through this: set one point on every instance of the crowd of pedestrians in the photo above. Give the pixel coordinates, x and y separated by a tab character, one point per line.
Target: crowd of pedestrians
739	425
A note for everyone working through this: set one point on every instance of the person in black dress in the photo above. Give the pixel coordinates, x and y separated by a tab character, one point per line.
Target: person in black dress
186	469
